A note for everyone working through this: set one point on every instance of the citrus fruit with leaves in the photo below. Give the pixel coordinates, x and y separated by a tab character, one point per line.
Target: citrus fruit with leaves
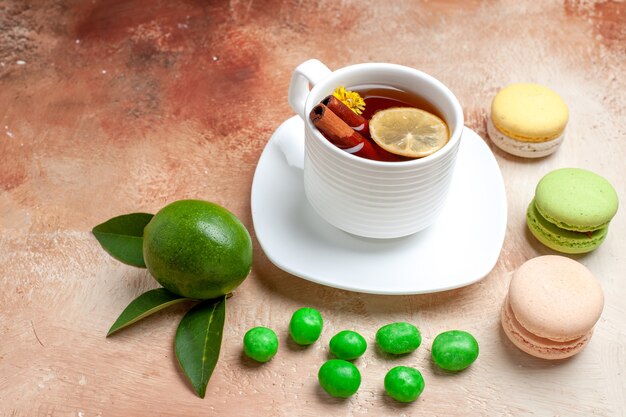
197	249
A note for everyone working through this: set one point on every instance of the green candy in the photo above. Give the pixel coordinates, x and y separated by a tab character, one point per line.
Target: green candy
454	350
305	326
339	378
398	338
404	384
260	344
348	345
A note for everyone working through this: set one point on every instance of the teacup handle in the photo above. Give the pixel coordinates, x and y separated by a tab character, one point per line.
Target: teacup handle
304	77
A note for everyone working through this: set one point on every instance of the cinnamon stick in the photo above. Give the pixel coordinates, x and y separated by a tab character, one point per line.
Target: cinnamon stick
355	121
340	134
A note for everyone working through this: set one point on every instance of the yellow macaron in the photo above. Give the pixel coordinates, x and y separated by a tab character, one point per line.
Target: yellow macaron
528	120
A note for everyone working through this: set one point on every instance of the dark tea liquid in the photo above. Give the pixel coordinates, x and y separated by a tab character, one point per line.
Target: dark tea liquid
381	98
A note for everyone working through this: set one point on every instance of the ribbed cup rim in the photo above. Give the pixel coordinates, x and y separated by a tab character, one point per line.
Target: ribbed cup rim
456	108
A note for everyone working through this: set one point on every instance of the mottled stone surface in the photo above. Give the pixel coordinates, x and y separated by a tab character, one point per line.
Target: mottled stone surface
109	107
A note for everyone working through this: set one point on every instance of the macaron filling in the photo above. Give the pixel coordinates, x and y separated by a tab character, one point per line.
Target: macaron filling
562	240
522	148
567	226
536	343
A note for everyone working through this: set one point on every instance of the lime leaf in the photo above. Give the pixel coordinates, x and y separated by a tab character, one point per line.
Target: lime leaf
147	303
198	341
122	237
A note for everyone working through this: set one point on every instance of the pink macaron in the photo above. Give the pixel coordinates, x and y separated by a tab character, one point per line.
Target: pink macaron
552	306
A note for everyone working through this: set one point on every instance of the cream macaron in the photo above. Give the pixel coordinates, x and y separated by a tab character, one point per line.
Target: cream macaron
552	306
527	120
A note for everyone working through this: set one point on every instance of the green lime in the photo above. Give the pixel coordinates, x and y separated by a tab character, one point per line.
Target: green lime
305	326
348	345
260	344
339	378
197	249
454	350
404	384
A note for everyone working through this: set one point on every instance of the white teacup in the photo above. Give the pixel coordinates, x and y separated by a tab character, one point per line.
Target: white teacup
365	197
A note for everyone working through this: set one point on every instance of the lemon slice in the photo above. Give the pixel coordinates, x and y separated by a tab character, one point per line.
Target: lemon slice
408	131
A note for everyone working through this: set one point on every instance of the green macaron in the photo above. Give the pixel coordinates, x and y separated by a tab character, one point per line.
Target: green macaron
571	210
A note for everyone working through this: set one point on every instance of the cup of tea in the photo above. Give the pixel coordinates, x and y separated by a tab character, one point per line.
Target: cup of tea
367	197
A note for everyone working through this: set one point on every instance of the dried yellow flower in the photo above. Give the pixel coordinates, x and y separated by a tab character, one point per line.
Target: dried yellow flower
351	99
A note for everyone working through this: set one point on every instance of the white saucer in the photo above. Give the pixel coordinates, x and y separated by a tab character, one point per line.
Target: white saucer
460	248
